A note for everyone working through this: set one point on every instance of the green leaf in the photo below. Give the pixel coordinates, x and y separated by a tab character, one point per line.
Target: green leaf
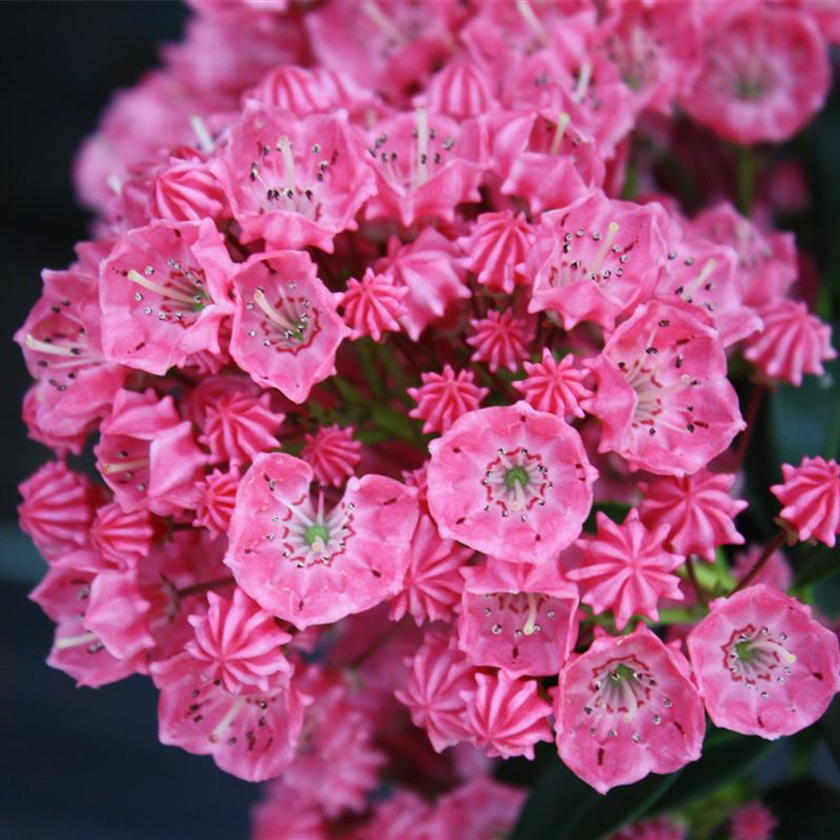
726	757
562	807
398	424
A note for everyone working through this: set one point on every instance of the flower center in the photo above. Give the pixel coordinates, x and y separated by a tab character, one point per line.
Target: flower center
753	655
515	481
178	298
310	535
569	269
620	690
287	323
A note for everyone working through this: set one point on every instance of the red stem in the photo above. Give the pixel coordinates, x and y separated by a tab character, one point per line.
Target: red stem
774	545
207	586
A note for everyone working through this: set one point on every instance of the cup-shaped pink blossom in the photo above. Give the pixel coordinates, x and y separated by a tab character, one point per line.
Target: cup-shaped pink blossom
310	565
626	708
285	327
518	616
164	293
763	665
662	395
596	259
510	482
294	182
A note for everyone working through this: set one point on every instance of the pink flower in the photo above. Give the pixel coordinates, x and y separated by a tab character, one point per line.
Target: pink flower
286	816
285	328
433	583
186	191
811	498
386	45
763	665
775	572
252	736
308	565
438	674
460	90
496	250
240	644
518	617
662	394
657	52
372	306
697	509
501	339
767	262
337	765
332	453
216	500
62	347
765	74
506	716
753	822
482	807
708	276
404	815
596	259
626	708
123	538
510	482
147	456
430	268
793	342
425	165
444	397
554	387
294	181
164	293
64	595
57	509
627	569
238	426
542	157
657	828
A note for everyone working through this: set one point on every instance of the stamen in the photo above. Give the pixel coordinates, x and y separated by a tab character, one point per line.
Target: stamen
531	20
372	10
584	79
529	628
422	146
563	120
124	466
205	138
698	281
163	291
284	146
612	230
75	641
46	347
228	719
114	183
292	330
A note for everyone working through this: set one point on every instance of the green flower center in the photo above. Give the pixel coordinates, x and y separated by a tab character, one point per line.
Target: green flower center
622	672
316	532
516	475
745	650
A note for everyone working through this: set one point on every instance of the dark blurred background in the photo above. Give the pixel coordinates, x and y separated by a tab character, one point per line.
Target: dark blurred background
74	763
87	764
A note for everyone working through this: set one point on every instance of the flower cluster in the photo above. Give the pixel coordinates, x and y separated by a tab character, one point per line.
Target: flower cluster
368	329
